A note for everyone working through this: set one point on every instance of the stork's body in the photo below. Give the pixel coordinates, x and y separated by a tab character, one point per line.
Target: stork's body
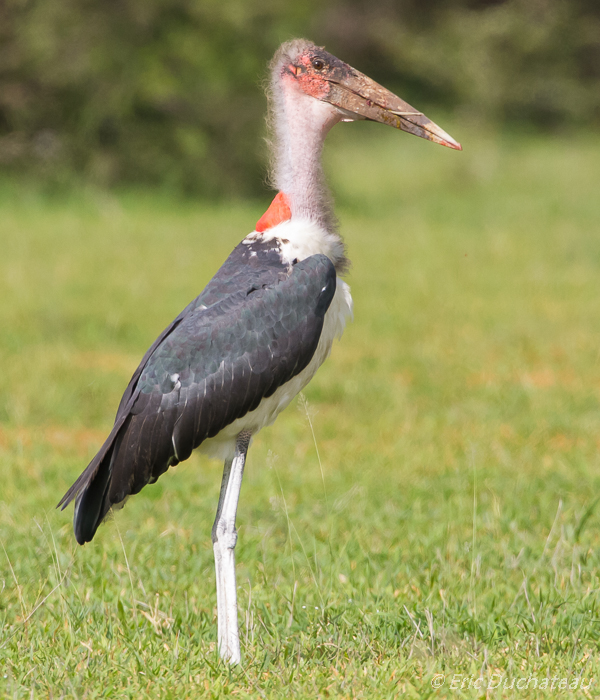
239	353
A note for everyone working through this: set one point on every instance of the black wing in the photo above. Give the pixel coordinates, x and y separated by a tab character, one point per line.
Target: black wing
212	365
250	266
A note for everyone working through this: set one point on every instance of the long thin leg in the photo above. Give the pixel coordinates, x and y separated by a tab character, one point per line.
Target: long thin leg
224	537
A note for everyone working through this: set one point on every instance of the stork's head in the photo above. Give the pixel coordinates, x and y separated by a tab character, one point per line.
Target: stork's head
352	95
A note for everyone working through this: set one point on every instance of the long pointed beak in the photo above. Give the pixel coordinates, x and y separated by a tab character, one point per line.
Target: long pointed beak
362	98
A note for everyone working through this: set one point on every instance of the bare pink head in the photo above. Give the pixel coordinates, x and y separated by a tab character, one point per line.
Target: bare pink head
322	76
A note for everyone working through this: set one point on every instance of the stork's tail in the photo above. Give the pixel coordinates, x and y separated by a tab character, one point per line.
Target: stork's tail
91	506
91	491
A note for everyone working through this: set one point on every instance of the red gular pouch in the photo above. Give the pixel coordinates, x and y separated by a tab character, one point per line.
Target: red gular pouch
278	212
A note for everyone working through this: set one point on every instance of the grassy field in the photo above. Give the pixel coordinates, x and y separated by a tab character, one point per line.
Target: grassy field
423	524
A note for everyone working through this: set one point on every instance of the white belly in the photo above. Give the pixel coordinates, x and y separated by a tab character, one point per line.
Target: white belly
222	446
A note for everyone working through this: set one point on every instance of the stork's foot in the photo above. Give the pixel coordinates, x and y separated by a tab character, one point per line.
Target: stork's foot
224	537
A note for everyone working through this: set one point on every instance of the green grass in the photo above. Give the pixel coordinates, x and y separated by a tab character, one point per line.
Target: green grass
453	528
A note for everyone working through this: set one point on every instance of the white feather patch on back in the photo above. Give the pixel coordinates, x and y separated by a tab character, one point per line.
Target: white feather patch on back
301	238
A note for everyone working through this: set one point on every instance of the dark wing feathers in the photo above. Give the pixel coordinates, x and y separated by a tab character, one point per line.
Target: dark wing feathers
248	267
219	358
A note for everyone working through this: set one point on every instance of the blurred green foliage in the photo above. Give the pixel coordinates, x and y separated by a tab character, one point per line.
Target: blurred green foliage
168	91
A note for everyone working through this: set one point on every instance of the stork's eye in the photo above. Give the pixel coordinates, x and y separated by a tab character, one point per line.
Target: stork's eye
318	63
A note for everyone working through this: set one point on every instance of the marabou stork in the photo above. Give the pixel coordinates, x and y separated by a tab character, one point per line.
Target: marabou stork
237	355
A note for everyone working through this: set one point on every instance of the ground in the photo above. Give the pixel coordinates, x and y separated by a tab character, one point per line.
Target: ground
422	523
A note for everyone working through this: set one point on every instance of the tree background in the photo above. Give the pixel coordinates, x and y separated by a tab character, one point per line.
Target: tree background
168	92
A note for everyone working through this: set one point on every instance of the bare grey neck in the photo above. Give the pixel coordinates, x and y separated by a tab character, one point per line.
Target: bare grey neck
299	124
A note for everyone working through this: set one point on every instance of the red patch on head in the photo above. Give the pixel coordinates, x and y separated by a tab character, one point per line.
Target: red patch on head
278	212
311	83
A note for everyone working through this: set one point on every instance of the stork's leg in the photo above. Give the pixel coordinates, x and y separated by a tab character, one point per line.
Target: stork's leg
224	537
